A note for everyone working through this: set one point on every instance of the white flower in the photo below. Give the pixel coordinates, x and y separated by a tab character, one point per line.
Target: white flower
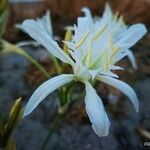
119	30
45	23
96	47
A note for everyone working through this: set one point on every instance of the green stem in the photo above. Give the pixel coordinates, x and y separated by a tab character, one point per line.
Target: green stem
40	67
55	61
68	90
15	49
59	118
59	71
52	128
63	108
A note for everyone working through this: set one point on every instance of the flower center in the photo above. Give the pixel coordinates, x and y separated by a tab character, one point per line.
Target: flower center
82	73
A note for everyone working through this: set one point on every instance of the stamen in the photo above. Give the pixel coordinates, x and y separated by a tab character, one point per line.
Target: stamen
106	60
82	40
99	33
89	53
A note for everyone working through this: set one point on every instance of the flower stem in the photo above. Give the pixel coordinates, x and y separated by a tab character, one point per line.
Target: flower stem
8	47
52	128
40	67
58	67
57	120
62	110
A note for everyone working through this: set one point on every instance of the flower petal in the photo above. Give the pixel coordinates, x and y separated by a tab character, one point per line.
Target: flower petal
113	67
96	112
41	35
94	73
87	13
131	58
81	72
45	22
123	87
27	43
82	29
107	12
45	89
109	73
132	35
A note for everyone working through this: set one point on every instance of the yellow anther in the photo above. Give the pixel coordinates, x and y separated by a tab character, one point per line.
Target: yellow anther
68	37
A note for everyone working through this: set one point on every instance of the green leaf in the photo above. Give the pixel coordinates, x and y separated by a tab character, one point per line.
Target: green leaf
11	145
3	5
1	128
14	117
3	20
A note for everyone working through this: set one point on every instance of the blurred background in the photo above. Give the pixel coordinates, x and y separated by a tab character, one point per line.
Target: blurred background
19	78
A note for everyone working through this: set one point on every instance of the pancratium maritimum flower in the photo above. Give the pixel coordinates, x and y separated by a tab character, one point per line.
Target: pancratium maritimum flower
44	22
96	47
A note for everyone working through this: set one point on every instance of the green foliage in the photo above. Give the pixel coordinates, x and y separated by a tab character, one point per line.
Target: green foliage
3	6
3	20
6	128
3	16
